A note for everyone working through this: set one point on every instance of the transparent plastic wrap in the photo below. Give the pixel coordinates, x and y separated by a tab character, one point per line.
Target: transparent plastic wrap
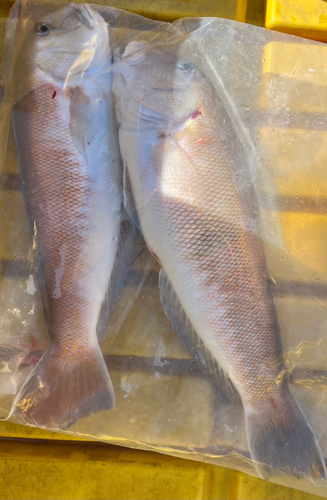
164	198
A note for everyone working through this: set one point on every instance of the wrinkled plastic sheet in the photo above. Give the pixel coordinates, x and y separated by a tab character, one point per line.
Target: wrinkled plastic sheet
273	88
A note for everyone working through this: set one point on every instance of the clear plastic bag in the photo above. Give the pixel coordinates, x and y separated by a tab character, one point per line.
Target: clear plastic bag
222	135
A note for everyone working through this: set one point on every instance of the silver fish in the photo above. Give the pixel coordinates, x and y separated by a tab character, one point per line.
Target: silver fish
194	198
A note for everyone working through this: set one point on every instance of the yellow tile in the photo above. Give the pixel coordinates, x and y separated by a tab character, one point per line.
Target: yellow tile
307	18
218	484
240	11
245	487
295	246
21	312
255	13
15	236
296	162
154	410
93	471
10	163
297	61
303	325
295	77
169	10
229	427
16	431
80	471
305	237
21	331
2	35
146	330
83	470
143	260
5	6
5	406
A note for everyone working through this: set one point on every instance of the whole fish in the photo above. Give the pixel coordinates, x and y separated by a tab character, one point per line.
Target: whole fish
67	149
194	198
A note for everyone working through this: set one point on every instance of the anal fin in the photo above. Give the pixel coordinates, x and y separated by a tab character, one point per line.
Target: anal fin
123	259
129	203
187	334
125	282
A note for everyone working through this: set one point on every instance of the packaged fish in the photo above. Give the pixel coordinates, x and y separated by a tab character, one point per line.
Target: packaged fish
168	293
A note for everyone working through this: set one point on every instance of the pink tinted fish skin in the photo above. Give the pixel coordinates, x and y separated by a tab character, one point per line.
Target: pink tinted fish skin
64	135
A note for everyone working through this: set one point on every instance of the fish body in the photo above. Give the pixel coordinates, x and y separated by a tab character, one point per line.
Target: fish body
69	166
194	198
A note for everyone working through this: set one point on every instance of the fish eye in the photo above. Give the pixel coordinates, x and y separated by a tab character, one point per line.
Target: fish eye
42	28
184	66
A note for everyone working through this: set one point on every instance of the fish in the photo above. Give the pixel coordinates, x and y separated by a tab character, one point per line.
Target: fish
193	194
69	164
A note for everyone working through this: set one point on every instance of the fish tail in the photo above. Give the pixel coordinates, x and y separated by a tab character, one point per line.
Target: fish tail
280	437
64	387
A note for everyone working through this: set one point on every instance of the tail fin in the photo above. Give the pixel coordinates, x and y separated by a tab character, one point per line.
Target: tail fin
283	439
62	389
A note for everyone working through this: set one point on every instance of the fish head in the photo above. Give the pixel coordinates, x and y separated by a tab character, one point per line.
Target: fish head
70	41
155	87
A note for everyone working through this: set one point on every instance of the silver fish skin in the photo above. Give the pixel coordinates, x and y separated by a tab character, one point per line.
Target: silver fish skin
67	146
195	201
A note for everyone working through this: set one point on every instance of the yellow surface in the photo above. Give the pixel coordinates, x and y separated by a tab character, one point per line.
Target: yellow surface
169	10
89	471
15	238
15	431
255	12
305	148
291	73
297	61
244	487
297	252
41	470
305	237
307	18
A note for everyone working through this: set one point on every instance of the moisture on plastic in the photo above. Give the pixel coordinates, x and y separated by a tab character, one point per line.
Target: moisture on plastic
211	328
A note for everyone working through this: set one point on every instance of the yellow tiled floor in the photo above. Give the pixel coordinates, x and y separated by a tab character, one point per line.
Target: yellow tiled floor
301	245
15	236
307	18
307	149
244	487
294	78
169	10
51	469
